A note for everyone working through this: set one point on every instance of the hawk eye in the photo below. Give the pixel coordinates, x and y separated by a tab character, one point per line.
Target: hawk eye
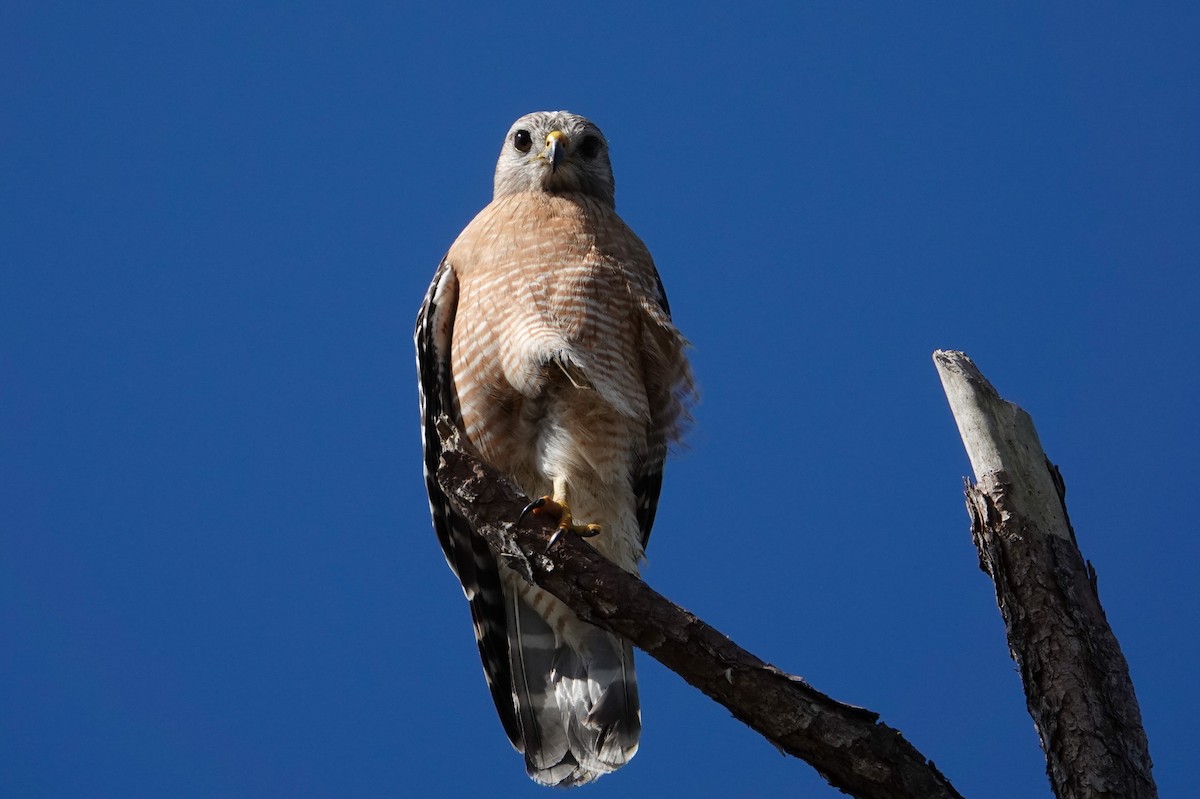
590	147
522	140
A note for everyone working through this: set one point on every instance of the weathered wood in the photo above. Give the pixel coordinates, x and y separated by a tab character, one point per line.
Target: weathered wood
1076	680
846	744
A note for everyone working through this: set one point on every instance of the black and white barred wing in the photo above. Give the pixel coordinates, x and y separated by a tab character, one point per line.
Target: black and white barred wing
466	552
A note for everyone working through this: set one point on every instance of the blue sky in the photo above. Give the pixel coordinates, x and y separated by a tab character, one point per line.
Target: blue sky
217	573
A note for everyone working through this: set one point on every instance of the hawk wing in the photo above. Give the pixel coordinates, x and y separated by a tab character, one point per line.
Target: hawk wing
669	397
467	553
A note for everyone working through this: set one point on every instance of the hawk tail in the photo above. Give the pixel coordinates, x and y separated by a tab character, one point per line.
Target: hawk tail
576	695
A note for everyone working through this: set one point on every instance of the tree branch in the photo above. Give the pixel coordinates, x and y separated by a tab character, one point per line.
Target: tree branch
847	745
1077	684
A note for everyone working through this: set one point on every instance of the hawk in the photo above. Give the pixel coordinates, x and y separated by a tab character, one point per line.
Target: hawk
547	337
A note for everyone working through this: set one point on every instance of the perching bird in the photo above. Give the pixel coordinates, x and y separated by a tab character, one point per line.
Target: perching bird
547	337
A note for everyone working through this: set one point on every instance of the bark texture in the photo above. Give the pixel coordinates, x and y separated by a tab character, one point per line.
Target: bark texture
1076	680
847	745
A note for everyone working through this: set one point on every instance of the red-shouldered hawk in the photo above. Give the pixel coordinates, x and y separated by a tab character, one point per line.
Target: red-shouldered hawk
547	336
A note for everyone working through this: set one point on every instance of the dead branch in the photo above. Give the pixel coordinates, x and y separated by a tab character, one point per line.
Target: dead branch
847	745
1077	684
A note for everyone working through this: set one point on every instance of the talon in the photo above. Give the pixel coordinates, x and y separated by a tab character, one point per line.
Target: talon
562	513
581	530
531	507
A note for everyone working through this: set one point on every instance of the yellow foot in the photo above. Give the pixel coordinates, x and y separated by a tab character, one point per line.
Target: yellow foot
546	506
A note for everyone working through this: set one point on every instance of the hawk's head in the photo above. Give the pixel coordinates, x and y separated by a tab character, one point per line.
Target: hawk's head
558	152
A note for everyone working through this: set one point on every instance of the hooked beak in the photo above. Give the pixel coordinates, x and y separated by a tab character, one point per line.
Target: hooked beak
556	149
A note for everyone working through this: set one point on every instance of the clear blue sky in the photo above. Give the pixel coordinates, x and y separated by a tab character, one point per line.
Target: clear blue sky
218	576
